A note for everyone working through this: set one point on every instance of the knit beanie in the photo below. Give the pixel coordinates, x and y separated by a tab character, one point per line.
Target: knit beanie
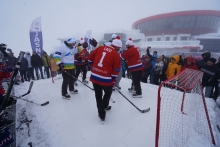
213	60
129	42
117	42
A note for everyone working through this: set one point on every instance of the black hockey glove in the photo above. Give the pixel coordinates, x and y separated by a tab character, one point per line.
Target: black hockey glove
11	101
61	66
85	45
93	42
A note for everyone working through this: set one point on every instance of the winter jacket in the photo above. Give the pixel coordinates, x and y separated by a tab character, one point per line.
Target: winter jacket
46	61
36	60
28	57
11	61
81	57
173	67
191	66
24	64
204	60
158	67
146	68
133	59
64	55
209	72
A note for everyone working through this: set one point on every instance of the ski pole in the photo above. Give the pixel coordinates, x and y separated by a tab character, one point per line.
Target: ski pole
142	111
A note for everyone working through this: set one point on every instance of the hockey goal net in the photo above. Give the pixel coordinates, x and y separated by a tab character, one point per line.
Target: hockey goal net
181	111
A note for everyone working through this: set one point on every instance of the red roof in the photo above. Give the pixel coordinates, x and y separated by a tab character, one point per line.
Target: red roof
181	13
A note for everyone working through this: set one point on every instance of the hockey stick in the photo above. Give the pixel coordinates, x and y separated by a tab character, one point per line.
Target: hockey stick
43	104
77	79
85	84
142	111
29	90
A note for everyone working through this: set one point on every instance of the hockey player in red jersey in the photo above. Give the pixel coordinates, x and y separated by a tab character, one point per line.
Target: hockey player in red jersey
105	67
132	56
81	59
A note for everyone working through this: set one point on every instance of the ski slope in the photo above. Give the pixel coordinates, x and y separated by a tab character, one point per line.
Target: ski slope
75	122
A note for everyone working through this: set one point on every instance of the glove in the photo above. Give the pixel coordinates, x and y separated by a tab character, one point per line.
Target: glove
11	101
93	42
85	45
61	66
79	59
148	47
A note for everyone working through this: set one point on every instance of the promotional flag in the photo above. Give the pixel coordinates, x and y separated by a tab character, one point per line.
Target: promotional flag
87	37
36	36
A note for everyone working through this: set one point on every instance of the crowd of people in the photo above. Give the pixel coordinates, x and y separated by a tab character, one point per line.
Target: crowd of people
108	63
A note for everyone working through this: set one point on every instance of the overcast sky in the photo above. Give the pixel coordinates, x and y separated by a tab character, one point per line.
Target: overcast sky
64	18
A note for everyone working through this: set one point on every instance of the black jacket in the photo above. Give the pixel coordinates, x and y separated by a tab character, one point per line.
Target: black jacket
24	64
209	73
36	60
204	60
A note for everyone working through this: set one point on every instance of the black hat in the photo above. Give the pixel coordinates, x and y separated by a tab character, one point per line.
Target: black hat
213	60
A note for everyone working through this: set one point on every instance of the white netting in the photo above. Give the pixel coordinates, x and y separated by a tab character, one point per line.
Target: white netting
181	110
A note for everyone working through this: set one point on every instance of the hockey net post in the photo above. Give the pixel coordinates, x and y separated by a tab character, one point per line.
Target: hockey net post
181	110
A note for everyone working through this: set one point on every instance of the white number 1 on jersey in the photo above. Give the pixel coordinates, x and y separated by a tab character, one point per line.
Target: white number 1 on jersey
100	62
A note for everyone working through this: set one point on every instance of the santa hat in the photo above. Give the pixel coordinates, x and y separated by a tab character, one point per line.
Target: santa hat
118	37
71	40
117	43
81	41
114	36
129	42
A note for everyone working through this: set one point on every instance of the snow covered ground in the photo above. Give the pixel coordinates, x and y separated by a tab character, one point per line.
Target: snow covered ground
75	122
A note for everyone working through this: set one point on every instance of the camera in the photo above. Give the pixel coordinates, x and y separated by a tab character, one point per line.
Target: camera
3	46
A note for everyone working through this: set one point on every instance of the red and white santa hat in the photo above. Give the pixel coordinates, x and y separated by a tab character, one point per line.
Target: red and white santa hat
81	41
129	42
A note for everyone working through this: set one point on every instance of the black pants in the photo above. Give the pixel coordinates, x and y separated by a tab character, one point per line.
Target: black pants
47	69
68	80
78	70
30	73
102	102
157	79
23	74
136	79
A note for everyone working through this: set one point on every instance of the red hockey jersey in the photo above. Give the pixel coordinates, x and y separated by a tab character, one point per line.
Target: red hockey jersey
83	55
105	65
5	76
133	59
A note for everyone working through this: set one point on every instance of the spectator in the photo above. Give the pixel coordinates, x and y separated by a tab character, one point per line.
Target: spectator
157	71
30	72
209	71
205	57
37	63
217	84
46	63
153	63
23	69
165	66
189	63
173	67
146	69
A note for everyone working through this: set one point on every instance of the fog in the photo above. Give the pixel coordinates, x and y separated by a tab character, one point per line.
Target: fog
64	18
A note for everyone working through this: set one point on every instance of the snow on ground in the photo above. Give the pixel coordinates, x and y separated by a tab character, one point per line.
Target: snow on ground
75	122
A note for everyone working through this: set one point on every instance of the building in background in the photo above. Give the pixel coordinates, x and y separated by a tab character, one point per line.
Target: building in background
176	32
170	33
